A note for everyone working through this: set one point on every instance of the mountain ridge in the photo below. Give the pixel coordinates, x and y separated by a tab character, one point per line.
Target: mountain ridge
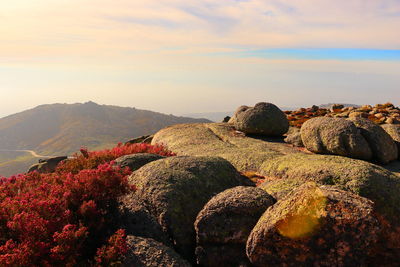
62	129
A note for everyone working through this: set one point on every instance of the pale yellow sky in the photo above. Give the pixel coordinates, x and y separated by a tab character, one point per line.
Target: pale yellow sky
178	56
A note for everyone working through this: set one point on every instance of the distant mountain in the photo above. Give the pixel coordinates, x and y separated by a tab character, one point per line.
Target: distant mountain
329	105
213	116
219	116
64	128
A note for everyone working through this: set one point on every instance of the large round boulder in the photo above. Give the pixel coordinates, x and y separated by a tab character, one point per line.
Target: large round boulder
383	147
175	189
335	136
135	161
315	226
146	252
262	119
224	224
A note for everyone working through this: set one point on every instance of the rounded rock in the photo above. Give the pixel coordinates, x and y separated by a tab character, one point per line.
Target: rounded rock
175	189
335	136
383	147
262	119
224	224
315	226
229	216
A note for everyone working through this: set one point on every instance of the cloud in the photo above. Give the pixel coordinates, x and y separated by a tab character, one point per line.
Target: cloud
45	28
239	51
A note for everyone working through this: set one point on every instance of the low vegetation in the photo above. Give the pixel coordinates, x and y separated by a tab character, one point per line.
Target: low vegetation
66	218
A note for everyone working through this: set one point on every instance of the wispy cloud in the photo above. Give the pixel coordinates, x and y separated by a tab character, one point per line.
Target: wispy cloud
202	50
30	27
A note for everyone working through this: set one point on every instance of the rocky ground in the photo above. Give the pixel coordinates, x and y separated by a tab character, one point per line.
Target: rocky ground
380	113
257	191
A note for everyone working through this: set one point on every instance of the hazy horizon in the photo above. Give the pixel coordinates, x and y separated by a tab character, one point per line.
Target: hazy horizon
179	57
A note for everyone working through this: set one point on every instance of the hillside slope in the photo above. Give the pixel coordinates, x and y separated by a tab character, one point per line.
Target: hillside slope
61	129
64	128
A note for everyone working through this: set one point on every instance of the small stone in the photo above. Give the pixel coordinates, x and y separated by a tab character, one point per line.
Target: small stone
336	107
226	119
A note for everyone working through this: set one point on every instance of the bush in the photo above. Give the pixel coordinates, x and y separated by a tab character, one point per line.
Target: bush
91	159
66	218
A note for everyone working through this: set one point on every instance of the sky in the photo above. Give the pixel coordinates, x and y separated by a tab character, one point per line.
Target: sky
189	56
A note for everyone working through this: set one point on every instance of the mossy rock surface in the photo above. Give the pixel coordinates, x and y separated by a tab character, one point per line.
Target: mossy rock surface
315	226
224	224
335	136
221	139
356	176
229	216
175	189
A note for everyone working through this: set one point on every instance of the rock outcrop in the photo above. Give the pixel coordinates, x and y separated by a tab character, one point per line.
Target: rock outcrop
262	119
357	176
222	140
366	196
146	139
224	224
315	226
359	219
47	165
175	189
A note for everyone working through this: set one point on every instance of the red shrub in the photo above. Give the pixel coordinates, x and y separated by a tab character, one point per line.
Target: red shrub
63	218
115	249
91	159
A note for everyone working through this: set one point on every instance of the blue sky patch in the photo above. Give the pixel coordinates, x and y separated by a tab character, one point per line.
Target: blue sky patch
322	54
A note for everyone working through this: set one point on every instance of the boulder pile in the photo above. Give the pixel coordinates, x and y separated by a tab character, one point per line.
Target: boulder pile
380	113
204	207
191	211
